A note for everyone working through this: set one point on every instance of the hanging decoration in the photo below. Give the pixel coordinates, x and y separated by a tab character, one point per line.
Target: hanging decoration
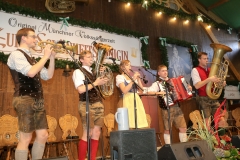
64	22
199	18
229	30
145	39
145	4
163	41
146	64
194	47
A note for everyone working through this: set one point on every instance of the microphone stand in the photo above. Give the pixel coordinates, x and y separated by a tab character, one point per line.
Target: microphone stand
87	116
149	72
135	87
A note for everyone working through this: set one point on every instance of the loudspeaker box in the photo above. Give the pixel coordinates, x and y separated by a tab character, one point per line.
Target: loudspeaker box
138	144
194	150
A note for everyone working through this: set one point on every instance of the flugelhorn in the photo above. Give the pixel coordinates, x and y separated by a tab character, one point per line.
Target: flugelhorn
58	47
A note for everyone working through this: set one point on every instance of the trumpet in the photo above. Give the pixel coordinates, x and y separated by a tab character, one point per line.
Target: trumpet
58	47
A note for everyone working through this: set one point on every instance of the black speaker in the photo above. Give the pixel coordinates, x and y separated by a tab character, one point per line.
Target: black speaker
139	144
57	158
236	141
194	150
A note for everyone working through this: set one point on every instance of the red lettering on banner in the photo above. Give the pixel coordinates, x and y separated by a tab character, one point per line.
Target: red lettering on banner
10	40
87	47
81	48
125	54
38	36
110	53
119	54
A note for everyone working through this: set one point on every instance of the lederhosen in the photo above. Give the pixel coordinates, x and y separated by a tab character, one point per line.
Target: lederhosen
28	100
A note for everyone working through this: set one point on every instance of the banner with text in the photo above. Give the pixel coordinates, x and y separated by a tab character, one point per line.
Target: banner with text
123	47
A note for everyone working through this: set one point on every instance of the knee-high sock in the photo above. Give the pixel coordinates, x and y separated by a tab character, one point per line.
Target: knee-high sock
82	149
37	150
21	154
182	137
166	138
94	149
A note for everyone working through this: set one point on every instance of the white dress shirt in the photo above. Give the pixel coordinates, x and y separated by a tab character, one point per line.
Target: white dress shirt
78	76
18	62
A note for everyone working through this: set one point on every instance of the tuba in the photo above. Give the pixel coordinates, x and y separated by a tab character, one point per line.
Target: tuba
106	89
218	68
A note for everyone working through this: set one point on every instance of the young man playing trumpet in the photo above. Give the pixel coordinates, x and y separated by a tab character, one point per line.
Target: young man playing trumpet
176	114
96	108
28	96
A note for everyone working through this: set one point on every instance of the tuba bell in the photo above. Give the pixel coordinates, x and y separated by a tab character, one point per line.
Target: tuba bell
218	68
106	89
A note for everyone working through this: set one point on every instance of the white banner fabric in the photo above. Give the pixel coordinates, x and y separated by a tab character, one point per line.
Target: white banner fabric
123	47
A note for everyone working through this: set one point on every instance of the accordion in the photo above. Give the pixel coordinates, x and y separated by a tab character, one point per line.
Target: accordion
178	91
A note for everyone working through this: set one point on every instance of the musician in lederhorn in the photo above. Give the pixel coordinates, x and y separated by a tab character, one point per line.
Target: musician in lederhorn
126	86
96	108
28	96
176	114
200	79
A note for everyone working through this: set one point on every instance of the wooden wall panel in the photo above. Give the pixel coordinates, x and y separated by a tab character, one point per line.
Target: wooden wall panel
1	76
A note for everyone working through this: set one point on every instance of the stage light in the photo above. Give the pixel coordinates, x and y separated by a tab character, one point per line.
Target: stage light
186	22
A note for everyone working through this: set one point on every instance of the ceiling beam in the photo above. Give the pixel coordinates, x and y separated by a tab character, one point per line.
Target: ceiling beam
219	3
193	9
209	32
